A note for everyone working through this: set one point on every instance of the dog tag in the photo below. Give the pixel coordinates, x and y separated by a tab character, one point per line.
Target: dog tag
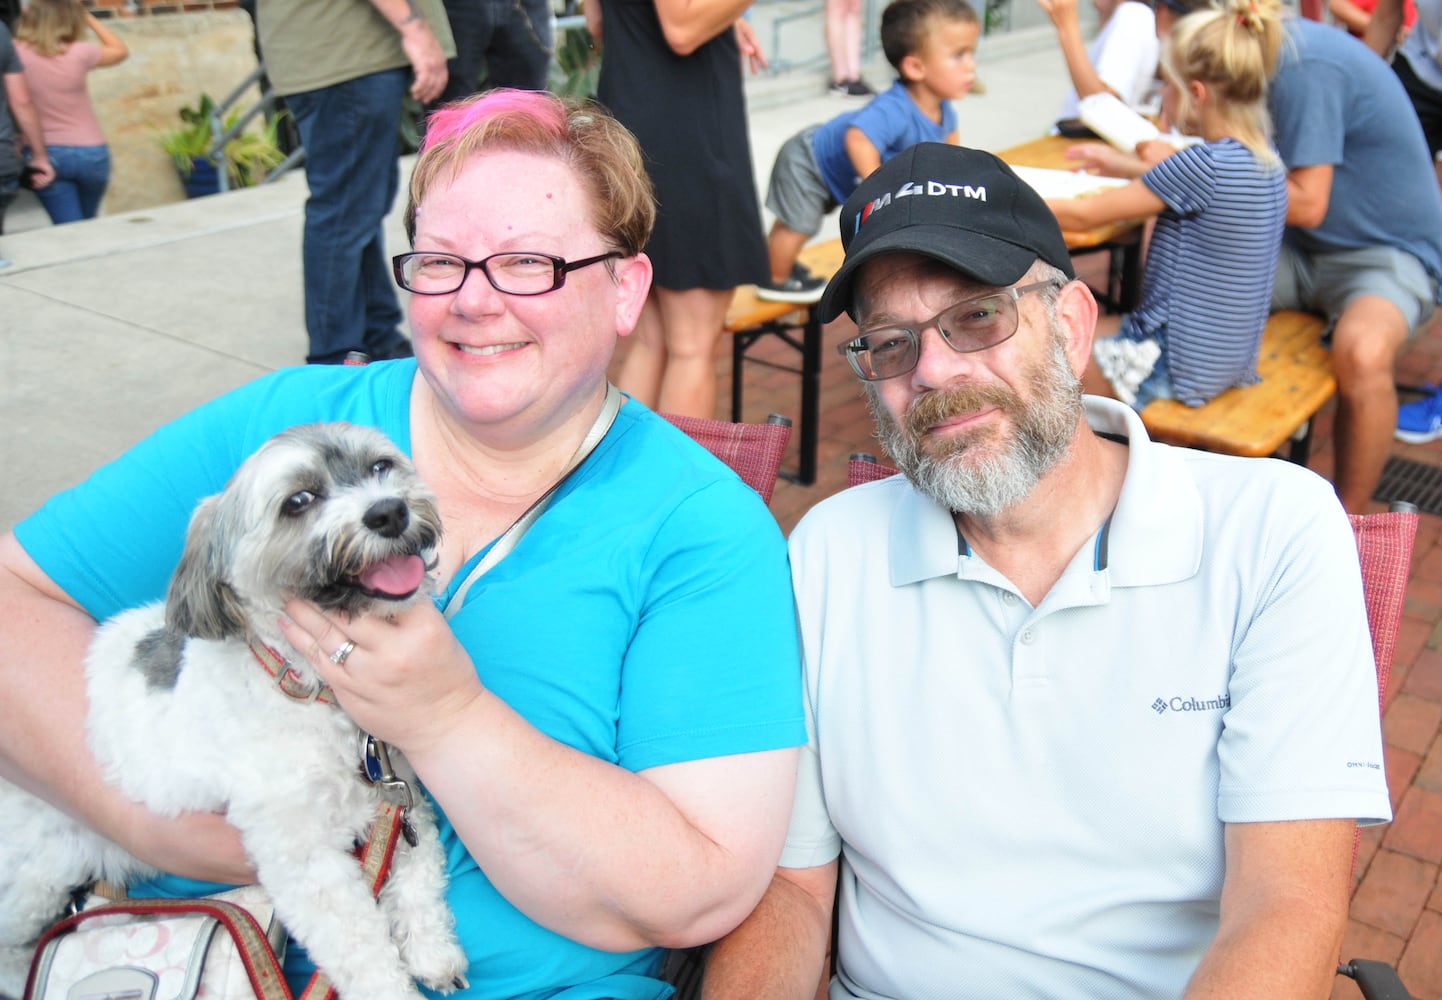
376	767
408	831
370	759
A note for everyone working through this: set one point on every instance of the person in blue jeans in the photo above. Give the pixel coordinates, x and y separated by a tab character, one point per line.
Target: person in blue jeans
52	39
343	67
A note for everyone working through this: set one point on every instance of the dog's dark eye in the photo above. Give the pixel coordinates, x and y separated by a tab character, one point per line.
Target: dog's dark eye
382	466
297	503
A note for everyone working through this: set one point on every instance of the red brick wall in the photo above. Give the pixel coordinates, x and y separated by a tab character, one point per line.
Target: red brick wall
142	8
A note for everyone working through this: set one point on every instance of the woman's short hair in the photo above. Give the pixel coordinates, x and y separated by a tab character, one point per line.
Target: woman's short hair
604	156
49	26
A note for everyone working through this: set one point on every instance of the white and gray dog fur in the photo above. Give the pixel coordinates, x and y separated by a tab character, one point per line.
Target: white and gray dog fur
183	717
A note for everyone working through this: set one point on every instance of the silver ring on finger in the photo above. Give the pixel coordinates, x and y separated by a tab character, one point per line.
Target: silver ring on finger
338	657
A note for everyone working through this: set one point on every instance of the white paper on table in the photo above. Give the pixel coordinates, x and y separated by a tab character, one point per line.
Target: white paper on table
1109	117
1066	183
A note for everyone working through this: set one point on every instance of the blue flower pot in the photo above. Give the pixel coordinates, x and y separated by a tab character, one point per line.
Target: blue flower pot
203	179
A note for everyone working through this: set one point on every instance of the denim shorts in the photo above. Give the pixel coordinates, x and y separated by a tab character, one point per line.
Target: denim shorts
1124	369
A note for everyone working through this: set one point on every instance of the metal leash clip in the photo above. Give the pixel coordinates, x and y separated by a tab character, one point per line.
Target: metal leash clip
376	768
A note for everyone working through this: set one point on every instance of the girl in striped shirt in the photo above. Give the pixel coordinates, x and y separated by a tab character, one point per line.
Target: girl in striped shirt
1220	207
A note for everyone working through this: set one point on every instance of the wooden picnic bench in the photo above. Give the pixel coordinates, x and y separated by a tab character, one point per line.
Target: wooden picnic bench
1260	419
750	318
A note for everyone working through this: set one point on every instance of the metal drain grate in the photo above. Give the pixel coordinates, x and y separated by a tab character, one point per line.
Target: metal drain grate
1415	482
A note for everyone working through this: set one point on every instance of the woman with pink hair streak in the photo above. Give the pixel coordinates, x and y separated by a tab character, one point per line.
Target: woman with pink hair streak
608	717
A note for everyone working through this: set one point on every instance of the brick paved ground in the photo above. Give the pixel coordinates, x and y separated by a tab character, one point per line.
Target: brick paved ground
1397	902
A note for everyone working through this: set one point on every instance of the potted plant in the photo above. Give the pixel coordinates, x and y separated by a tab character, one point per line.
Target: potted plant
248	156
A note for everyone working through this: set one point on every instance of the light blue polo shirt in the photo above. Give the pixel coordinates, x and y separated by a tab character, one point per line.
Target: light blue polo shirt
1031	801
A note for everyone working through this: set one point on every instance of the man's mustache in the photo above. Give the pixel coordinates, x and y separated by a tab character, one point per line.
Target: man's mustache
940	405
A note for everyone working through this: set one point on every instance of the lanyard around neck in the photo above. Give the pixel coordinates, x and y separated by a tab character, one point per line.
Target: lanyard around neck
503	545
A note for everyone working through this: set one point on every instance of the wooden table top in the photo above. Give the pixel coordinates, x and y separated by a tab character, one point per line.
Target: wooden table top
1049	152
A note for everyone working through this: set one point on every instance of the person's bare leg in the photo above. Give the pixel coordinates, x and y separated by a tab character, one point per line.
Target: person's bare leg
852	27
1365	342
693	321
843	30
645	362
783	245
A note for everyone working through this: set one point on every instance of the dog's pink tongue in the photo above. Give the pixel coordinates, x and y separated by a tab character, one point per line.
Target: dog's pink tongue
399	575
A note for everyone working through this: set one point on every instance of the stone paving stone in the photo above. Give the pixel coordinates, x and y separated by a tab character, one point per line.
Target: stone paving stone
1425	678
1393	893
1401	766
1363	941
1421	964
1411	723
1417	828
1429	775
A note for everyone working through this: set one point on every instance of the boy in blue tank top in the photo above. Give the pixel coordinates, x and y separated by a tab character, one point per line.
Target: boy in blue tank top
932	45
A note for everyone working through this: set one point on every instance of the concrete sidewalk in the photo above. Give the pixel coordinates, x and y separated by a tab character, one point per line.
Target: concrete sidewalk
110	327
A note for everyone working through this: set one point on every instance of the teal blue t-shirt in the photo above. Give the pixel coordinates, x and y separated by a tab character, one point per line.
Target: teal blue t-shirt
645	619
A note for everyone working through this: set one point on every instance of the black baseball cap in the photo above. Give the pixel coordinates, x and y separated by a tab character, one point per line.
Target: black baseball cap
963	207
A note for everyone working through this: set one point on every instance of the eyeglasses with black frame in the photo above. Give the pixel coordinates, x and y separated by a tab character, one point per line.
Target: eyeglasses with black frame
426	273
967	326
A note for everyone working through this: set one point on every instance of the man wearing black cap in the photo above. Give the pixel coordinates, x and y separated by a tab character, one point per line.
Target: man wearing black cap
1077	728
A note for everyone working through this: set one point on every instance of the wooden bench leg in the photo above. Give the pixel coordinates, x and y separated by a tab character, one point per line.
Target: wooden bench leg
810	396
809	347
1301	447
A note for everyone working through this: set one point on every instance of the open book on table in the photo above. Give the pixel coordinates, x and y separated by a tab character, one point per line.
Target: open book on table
1066	183
1119	125
1109	117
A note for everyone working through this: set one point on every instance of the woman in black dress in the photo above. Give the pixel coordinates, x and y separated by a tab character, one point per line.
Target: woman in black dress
671	73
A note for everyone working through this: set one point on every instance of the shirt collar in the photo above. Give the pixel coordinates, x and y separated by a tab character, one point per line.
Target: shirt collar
1155	534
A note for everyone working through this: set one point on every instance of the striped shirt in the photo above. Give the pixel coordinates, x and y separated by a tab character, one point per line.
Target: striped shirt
1208	280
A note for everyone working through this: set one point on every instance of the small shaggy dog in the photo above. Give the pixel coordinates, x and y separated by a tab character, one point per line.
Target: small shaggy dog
186	713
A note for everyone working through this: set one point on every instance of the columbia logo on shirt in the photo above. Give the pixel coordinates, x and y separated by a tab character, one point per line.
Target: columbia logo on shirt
1178	703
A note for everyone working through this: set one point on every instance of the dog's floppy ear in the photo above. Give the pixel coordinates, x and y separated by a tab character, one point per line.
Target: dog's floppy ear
200	602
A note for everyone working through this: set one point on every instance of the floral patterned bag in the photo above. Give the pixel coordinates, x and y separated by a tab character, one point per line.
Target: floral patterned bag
222	947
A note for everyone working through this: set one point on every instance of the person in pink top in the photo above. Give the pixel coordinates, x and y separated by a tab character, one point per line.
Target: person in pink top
51	38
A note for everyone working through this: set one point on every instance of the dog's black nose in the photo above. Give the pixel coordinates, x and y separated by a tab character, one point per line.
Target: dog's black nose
388	517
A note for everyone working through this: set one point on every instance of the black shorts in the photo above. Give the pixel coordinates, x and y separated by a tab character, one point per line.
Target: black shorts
1426	101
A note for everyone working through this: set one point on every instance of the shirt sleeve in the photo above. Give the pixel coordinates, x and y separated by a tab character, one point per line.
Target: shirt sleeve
884	123
1302	738
1308	106
716	642
1185	180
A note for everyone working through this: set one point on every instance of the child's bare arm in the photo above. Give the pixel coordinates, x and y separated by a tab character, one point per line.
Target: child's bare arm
1135	201
864	157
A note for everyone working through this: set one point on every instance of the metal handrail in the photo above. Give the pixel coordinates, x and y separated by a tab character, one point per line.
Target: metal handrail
220	135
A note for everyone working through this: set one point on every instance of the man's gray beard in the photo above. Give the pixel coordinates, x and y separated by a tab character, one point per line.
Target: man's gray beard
989	484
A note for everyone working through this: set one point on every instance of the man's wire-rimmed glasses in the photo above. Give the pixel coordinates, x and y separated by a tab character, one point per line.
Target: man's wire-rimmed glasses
426	273
967	326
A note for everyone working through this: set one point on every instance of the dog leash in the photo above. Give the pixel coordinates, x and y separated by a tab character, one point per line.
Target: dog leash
503	545
376	857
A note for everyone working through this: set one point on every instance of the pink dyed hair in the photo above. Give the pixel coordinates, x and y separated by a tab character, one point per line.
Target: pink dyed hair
603	155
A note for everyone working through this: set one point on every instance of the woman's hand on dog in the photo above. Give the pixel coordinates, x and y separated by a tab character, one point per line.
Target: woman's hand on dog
407	679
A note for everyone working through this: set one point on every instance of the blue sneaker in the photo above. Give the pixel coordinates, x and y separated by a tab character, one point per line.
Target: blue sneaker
1420	422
